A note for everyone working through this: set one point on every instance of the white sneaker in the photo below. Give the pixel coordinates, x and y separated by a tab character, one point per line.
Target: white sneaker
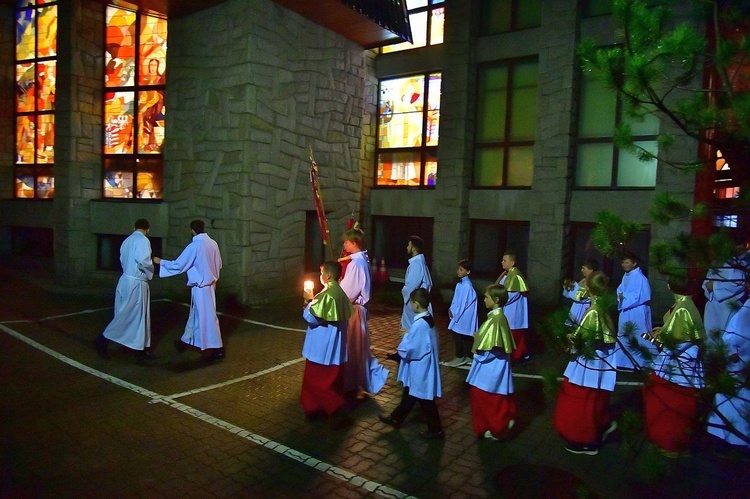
612	427
488	434
458	361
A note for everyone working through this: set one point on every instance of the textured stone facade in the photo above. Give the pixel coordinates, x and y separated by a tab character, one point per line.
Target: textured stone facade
256	86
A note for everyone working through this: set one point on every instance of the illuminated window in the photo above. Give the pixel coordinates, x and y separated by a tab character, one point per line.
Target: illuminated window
36	71
729	221
502	16
599	162
427	20
408	125
506	125
134	109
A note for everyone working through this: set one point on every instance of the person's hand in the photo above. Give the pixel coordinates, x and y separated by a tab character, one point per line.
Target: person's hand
156	260
402	332
710	285
655	332
568	283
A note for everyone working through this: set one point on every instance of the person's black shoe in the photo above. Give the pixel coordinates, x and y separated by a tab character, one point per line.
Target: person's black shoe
433	435
390	421
179	346
525	361
100	343
340	419
216	355
146	357
315	416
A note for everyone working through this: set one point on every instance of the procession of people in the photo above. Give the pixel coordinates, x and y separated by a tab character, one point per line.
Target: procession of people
341	370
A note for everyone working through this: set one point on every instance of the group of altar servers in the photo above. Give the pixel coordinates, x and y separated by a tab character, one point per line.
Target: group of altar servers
673	356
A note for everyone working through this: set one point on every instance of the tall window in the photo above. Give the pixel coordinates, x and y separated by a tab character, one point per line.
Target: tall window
408	125
502	16
506	125
134	108
489	239
427	20
36	71
599	162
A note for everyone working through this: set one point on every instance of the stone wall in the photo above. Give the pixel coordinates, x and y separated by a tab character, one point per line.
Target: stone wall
78	143
256	86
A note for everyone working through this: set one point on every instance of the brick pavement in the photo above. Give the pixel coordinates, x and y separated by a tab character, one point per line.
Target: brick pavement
78	426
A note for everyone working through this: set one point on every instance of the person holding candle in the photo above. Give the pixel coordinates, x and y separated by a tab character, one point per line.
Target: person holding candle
327	315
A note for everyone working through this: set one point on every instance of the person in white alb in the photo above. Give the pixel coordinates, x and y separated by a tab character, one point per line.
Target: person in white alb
202	262
131	325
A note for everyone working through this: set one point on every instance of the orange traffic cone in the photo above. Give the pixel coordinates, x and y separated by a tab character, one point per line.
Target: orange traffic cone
382	272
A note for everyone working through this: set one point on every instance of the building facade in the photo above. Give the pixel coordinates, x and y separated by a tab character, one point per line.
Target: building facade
517	153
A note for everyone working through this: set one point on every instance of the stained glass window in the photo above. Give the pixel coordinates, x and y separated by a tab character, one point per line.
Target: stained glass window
506	125
408	130
427	20
36	71
134	106
599	162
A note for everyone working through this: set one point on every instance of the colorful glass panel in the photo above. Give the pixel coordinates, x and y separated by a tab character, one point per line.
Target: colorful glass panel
47	85
153	50
25	138
25	87
151	125
433	109
25	34
118	122
149	179
118	178
45	184
24	183
401	106
45	152
401	168
46	31
119	57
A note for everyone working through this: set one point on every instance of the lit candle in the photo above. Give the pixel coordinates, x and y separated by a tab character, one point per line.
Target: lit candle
309	286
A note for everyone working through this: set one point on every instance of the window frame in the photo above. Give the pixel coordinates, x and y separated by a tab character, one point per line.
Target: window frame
136	158
424	151
432	5
506	144
514	14
619	119
36	168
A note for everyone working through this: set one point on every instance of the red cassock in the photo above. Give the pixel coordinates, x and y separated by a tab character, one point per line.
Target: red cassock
581	413
321	388
521	351
670	413
491	411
